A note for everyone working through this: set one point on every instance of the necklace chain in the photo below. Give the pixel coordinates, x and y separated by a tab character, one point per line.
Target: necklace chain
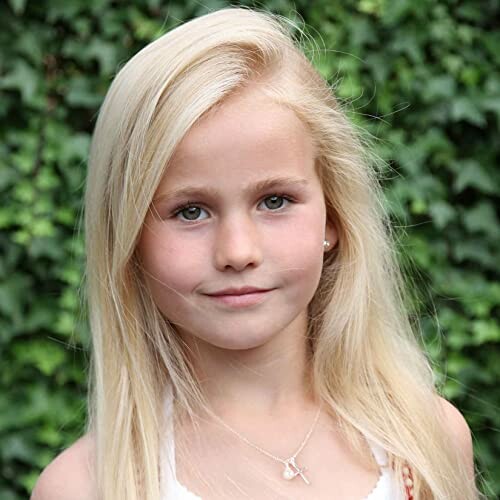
270	455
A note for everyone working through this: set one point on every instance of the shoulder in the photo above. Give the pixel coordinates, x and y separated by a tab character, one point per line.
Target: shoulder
68	476
459	429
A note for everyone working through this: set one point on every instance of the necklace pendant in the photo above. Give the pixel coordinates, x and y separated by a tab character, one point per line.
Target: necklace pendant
293	470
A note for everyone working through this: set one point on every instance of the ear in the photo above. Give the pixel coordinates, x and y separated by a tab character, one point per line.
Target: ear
331	234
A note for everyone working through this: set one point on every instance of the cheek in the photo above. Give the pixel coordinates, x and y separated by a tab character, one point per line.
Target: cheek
303	237
299	249
171	268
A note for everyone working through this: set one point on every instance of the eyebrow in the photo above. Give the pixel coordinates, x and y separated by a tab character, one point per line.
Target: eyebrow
273	182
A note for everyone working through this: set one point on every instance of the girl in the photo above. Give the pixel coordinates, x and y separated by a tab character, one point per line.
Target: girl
249	334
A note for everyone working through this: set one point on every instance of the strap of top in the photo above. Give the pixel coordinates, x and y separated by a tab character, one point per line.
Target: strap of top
379	453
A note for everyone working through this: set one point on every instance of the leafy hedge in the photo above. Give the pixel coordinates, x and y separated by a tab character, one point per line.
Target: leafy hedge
421	77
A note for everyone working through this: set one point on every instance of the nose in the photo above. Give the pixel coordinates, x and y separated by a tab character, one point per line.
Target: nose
237	244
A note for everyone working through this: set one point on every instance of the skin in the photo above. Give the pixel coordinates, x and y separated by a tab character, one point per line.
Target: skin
252	362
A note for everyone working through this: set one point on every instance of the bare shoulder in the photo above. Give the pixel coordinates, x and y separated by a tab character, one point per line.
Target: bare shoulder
460	430
69	475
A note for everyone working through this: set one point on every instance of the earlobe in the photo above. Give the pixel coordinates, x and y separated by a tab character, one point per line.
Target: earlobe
331	235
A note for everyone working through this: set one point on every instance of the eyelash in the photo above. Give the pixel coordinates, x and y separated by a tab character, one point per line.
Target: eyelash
191	204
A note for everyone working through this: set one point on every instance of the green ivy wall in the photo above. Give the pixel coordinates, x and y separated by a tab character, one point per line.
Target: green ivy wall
422	78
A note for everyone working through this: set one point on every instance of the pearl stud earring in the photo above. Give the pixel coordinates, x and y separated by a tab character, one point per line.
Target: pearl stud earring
326	244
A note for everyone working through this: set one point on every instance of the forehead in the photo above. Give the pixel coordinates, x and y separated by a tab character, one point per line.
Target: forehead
245	134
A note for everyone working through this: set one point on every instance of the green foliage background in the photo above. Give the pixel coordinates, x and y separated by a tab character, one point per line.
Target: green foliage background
421	77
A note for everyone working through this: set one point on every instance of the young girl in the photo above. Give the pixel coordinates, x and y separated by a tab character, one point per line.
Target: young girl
249	334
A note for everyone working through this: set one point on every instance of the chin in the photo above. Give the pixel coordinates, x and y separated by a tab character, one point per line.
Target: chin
240	342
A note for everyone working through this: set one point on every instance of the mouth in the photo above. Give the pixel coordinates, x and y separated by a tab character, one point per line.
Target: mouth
238	291
238	298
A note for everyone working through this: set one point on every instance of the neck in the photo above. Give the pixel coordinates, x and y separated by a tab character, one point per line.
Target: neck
270	380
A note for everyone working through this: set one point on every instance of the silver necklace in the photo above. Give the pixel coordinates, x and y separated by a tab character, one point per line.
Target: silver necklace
291	468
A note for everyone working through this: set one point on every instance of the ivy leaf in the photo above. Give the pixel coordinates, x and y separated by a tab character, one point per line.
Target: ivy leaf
482	218
471	174
439	87
45	355
17	6
486	331
442	213
464	108
23	78
80	93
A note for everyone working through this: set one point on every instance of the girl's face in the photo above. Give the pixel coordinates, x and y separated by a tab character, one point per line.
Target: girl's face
240	205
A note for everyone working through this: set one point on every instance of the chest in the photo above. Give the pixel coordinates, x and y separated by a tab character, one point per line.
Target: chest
220	466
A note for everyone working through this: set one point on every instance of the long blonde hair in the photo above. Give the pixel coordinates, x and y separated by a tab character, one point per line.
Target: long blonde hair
367	365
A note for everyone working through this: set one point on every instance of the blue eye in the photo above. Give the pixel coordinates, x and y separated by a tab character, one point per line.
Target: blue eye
189	212
276	201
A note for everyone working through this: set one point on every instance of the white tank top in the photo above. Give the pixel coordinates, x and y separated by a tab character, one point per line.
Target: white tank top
387	487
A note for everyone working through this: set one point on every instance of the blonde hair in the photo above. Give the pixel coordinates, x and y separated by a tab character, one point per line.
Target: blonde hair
367	365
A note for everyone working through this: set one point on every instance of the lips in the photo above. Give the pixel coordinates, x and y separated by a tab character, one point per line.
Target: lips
238	291
238	298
